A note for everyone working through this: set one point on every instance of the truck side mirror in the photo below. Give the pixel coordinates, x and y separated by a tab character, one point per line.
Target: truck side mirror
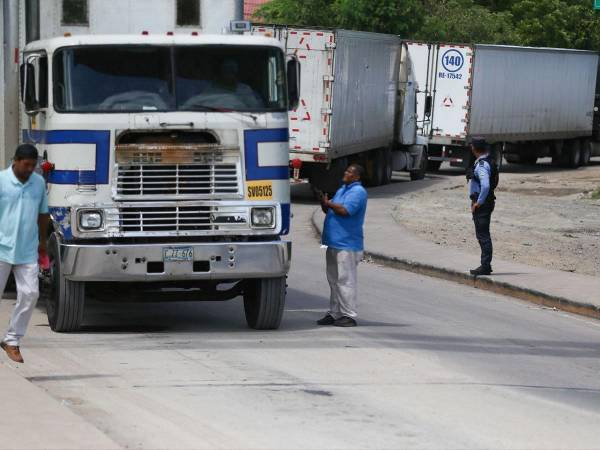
293	83
428	103
28	94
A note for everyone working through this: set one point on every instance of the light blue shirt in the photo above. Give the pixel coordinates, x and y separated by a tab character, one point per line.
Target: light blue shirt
346	232
481	181
20	206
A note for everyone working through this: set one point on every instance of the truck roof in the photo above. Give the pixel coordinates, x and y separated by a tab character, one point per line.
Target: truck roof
152	39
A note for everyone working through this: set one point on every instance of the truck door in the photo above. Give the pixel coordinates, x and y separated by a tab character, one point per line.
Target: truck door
452	91
423	56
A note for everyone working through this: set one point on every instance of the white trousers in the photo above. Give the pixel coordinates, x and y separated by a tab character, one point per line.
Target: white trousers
341	275
26	277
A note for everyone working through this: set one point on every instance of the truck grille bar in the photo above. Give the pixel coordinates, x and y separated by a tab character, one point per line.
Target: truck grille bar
194	180
143	219
177	171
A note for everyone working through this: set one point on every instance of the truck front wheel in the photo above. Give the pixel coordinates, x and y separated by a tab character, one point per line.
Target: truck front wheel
264	300
64	298
419	173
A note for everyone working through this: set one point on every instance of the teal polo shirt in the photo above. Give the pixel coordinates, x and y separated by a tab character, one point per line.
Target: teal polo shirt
20	206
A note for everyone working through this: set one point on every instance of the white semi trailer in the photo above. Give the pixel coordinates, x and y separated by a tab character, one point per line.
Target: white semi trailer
527	102
357	104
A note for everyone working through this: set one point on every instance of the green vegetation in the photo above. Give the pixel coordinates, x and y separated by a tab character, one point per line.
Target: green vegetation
596	194
547	23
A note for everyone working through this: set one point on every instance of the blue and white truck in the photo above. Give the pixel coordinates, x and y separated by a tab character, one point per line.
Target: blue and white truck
166	157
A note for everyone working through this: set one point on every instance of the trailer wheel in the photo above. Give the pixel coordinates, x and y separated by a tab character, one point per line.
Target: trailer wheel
387	166
264	300
433	166
328	180
573	155
419	174
377	167
586	153
64	298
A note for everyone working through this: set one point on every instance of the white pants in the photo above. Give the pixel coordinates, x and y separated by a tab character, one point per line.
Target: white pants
341	275
26	277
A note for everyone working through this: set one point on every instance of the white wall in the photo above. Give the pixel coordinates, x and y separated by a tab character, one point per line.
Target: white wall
135	16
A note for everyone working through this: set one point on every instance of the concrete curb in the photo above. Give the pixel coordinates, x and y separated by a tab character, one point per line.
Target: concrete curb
485	283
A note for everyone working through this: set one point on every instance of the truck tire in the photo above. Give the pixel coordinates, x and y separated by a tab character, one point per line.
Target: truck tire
573	155
264	300
376	167
433	166
64	298
328	180
419	173
586	153
497	154
388	168
512	158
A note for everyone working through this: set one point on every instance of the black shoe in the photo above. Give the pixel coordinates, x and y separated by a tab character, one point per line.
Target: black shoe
327	320
345	322
481	271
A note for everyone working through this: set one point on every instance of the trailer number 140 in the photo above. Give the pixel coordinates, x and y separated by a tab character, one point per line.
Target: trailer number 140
453	60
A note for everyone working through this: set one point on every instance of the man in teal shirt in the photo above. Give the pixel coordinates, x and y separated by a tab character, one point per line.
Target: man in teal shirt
23	231
343	236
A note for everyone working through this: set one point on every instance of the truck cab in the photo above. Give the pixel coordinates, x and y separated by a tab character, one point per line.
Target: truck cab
166	160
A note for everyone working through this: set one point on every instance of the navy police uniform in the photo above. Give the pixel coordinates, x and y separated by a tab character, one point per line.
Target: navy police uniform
483	179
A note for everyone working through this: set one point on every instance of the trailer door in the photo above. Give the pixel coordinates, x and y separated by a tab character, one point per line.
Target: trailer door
452	91
310	122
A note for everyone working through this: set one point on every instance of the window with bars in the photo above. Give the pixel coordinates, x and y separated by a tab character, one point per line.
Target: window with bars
188	13
75	12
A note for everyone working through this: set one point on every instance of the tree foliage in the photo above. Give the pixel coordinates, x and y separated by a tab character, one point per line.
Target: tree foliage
546	23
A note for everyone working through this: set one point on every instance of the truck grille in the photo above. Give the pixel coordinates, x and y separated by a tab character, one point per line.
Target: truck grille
180	180
164	171
172	219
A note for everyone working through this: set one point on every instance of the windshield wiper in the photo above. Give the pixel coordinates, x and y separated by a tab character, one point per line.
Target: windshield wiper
226	110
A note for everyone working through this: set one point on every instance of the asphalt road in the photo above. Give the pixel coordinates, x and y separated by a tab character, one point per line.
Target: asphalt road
432	365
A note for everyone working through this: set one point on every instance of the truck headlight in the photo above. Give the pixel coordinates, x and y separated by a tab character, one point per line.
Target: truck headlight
263	217
90	220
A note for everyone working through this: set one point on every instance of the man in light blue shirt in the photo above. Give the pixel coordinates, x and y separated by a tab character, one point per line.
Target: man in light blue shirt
343	236
23	230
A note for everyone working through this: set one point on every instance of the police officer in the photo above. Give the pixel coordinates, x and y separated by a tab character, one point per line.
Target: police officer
483	179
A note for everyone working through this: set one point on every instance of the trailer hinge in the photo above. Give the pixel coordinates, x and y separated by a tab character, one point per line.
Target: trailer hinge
330	45
326	111
328	78
324	144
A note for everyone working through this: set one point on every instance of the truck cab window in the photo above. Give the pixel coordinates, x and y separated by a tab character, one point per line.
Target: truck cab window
113	79
129	78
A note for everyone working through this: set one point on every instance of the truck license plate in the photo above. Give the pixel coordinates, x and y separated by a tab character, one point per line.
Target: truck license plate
178	254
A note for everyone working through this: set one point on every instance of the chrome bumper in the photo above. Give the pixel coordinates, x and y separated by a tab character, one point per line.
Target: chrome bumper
142	262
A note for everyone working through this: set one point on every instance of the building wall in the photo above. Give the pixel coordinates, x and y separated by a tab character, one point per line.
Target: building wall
250	6
135	16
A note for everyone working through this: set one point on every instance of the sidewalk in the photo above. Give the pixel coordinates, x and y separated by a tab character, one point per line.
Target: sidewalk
33	420
390	244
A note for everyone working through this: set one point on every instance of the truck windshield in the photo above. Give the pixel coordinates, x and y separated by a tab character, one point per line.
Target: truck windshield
161	78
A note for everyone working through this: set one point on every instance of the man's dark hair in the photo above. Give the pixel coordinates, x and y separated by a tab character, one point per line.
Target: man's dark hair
26	151
479	144
360	171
